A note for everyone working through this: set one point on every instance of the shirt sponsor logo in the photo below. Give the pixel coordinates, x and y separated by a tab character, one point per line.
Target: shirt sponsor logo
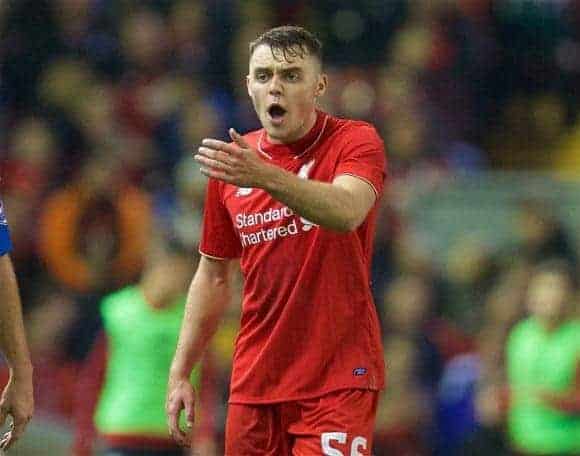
359	371
258	219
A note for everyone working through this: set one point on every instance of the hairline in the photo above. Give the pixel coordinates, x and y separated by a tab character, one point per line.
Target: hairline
285	58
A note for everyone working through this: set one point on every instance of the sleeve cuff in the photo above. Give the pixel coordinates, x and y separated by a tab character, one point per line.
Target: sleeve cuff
364	179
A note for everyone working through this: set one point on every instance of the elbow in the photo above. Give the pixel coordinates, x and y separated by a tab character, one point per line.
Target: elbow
348	224
218	281
352	215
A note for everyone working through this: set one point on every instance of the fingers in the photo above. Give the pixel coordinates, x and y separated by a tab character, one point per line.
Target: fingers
190	414
223	146
216	155
220	175
6	440
173	411
228	162
18	427
210	163
214	159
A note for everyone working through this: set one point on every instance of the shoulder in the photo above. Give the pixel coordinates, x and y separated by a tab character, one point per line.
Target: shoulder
359	141
522	330
355	131
356	138
572	329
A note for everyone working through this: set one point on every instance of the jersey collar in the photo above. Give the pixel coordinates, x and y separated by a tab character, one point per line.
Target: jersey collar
296	149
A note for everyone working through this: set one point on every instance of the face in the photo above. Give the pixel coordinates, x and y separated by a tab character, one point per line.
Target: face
173	282
284	92
548	295
407	303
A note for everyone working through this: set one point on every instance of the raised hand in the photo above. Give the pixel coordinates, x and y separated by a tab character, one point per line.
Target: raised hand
236	163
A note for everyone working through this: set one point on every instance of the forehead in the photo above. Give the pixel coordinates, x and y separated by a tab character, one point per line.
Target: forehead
548	278
263	57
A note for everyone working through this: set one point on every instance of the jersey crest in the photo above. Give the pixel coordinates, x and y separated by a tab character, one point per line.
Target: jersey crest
244	191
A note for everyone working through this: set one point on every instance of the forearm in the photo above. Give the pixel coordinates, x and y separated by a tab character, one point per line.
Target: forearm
325	204
207	301
89	386
564	402
12	335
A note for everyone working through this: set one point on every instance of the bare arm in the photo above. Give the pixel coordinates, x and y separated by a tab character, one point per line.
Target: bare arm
208	298
17	398
341	205
567	401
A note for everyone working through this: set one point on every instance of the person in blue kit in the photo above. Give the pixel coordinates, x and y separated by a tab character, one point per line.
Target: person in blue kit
17	398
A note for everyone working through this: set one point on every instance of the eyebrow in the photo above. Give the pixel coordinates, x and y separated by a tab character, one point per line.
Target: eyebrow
284	70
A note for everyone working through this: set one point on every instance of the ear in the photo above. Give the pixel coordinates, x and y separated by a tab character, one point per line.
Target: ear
248	85
321	85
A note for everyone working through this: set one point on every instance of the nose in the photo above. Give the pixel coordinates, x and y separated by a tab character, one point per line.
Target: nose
275	86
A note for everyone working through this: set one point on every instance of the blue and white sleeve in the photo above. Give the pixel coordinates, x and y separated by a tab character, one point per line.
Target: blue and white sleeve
5	242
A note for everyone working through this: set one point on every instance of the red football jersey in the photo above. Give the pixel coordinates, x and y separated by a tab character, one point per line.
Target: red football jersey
309	325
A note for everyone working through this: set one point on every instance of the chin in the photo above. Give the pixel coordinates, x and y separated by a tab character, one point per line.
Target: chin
276	132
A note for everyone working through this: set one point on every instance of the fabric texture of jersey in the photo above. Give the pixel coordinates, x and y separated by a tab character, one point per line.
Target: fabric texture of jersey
540	360
5	243
309	325
141	344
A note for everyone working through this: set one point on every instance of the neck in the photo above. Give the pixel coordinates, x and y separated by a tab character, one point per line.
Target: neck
550	324
298	134
155	296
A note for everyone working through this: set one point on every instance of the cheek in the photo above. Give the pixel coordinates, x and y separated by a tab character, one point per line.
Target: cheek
303	100
256	95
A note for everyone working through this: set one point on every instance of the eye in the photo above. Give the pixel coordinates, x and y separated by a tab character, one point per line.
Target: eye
262	76
293	76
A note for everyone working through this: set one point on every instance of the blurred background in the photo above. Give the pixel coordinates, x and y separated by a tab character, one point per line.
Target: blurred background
103	101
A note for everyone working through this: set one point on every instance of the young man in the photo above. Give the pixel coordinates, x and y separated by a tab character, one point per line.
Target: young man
17	397
296	201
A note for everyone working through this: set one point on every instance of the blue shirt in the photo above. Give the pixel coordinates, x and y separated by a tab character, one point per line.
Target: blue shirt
5	243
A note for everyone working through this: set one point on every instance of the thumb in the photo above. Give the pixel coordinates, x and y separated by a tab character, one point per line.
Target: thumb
238	139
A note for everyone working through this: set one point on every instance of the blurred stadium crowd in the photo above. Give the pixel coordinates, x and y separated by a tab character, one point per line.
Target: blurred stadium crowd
102	102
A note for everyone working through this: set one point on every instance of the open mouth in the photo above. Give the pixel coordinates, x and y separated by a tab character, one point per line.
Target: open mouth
276	112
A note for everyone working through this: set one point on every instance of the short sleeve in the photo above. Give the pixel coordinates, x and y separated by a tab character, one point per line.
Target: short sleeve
363	156
218	236
5	243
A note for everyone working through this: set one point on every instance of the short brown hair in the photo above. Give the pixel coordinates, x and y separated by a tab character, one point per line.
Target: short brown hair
560	267
291	40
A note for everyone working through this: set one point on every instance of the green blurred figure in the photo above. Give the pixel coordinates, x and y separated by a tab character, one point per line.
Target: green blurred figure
124	383
543	363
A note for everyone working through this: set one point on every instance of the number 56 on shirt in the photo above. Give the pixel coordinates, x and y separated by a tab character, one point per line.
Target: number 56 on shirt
358	443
